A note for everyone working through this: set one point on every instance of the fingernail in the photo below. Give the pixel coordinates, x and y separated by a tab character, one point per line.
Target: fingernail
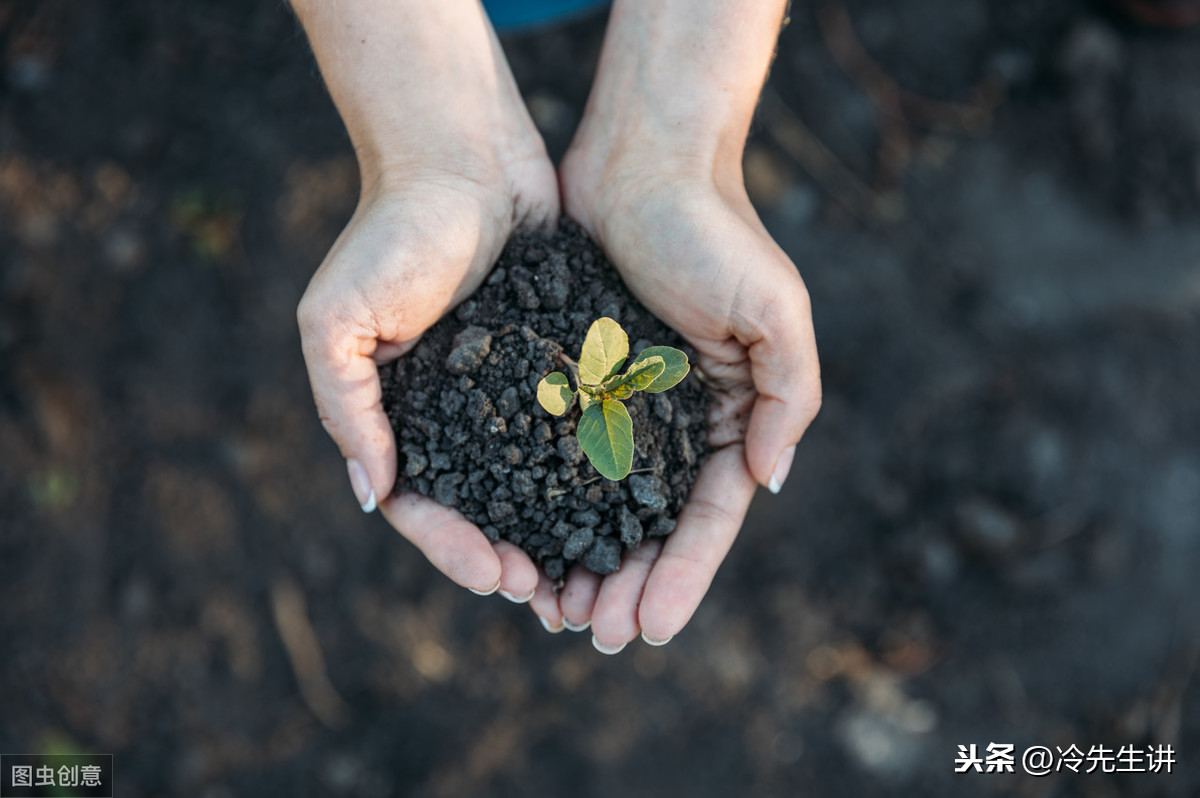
360	483
551	629
603	649
516	599
657	642
575	628
495	587
782	467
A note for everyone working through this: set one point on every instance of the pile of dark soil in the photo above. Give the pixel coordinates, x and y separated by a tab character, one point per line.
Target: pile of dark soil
472	435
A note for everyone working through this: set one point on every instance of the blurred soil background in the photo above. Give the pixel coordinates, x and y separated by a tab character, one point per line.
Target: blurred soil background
991	533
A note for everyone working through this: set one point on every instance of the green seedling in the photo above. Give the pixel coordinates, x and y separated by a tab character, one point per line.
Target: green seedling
605	430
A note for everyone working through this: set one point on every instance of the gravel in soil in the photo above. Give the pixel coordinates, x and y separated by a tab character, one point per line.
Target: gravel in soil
472	435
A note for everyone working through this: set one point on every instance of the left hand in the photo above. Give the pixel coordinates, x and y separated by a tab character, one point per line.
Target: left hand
695	253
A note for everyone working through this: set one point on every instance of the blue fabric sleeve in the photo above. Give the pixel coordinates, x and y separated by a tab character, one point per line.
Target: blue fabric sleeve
509	15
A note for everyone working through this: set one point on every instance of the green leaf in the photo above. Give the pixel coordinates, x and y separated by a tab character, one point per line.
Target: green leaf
606	434
620	393
554	393
640	374
676	367
604	351
586	400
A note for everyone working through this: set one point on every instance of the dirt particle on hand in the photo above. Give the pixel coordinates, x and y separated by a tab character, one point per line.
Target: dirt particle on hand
470	347
570	450
512	455
554	282
415	460
586	518
604	557
577	543
647	490
661	527
527	298
662	407
631	529
554	567
500	511
523	484
508	404
445	487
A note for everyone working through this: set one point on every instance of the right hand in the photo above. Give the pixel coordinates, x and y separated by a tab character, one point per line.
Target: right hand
451	166
417	245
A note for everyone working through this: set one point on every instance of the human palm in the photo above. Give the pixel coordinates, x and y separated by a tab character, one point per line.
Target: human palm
699	258
415	248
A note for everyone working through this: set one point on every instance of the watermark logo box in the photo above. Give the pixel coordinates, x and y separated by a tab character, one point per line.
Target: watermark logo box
56	776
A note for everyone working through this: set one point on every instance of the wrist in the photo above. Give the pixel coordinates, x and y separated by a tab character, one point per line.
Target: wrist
423	88
605	151
675	90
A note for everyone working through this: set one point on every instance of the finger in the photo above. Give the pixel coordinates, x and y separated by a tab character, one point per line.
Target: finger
615	614
692	553
518	574
345	385
545	605
387	351
578	597
450	542
786	375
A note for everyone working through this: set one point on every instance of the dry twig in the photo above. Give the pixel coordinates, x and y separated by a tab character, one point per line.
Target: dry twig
304	652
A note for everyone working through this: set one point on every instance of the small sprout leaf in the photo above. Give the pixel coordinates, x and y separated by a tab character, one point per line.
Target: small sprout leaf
554	393
604	351
606	434
675	370
640	374
605	430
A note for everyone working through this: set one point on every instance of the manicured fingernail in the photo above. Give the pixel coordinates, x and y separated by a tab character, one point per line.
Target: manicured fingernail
782	467
495	587
603	649
657	642
551	629
572	627
360	483
516	599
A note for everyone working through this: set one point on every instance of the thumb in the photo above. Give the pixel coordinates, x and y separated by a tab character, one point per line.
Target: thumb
787	378
345	384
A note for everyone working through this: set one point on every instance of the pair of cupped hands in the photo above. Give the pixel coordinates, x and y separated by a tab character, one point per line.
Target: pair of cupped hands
675	220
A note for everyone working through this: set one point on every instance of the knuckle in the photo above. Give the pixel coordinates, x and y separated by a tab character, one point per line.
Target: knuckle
710	512
325	333
311	316
787	312
801	299
810	402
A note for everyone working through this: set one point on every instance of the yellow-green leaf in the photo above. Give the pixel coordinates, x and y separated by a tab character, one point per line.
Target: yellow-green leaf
637	377
604	351
554	393
676	367
606	434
